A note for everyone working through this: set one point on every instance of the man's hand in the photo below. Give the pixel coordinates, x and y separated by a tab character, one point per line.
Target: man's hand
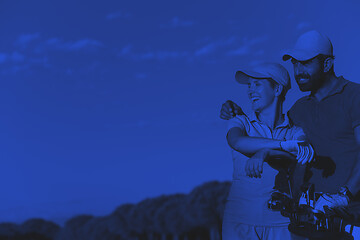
331	200
229	109
254	165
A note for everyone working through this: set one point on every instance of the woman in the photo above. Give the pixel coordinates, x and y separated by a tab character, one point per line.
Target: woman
264	135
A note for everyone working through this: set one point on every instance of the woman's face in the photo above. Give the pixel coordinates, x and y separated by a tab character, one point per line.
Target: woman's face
261	93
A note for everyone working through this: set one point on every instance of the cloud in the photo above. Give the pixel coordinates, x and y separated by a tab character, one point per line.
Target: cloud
24	39
82	44
213	46
15	63
43	61
151	55
126	50
140	75
116	15
3	57
18	62
69	71
15	69
38	56
247	46
242	51
207	49
177	22
259	52
14	57
255	62
303	26
162	55
291	16
257	40
17	57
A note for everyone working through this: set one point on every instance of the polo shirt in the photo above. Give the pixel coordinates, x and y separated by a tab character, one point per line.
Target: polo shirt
329	126
248	197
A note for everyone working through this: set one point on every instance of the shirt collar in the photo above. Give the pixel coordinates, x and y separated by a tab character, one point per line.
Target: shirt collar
339	87
286	123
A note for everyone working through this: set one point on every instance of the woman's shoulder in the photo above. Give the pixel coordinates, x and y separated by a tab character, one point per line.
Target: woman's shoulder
241	121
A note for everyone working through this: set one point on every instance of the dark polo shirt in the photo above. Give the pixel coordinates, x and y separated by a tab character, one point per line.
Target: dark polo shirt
329	125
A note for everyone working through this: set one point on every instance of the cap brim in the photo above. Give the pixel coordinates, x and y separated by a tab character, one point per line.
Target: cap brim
242	77
300	55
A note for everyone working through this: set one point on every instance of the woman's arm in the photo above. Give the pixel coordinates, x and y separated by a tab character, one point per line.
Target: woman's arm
277	159
241	142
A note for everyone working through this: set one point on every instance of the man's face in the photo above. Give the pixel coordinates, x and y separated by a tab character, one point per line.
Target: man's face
309	74
261	93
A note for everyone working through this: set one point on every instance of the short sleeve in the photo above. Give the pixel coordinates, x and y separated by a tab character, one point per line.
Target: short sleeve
239	122
298	134
297	111
354	103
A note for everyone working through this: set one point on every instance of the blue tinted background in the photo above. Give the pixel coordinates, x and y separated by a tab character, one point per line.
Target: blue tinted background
104	103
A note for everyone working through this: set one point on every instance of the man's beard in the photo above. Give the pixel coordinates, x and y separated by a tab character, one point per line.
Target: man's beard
304	81
307	82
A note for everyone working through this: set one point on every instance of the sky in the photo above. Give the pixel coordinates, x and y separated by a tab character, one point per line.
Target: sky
111	102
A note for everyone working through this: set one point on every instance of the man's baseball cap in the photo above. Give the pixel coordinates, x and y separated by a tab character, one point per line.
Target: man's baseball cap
308	46
274	71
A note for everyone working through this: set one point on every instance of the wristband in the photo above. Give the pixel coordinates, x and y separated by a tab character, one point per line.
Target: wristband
346	192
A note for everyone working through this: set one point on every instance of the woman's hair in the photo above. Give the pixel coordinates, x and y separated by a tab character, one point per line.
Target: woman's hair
283	92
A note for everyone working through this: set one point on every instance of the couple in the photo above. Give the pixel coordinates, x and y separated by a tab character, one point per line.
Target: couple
328	118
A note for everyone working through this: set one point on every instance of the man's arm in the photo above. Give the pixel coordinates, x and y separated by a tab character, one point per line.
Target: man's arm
353	183
229	109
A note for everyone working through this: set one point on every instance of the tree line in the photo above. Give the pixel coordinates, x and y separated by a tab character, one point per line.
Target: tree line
194	216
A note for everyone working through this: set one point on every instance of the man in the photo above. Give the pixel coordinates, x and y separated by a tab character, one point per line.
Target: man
265	135
329	116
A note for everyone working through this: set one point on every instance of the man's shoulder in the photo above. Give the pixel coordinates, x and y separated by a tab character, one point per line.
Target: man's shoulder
351	83
350	93
352	87
298	110
300	102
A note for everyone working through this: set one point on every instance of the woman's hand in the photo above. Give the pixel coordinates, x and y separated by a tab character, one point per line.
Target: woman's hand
254	165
